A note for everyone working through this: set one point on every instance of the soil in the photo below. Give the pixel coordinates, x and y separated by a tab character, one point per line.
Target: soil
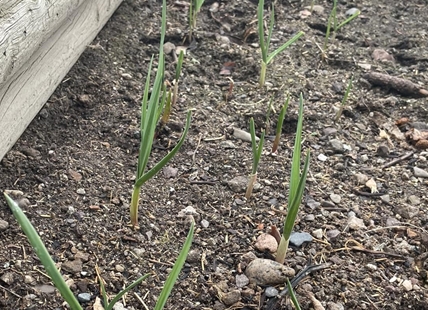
75	163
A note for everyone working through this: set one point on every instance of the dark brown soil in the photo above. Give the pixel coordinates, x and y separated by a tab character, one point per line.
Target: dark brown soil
75	163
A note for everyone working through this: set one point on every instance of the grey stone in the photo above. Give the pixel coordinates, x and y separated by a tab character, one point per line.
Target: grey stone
351	11
81	191
406	211
311	203
335	306
322	157
73	266
298	238
205	223
337	146
3	225
84	297
270	291
335	198
354	222
8	278
317	233
241	280
227	144
268	272
420	173
332	234
414	200
45	288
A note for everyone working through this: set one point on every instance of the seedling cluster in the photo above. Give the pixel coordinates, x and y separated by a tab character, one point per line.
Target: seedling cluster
157	102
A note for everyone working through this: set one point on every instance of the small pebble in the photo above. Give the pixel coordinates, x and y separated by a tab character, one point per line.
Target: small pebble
266	242
3	225
271	291
420	173
231	297
332	234
351	12
414	200
337	146
322	157
205	223
407	284
317	233
120	268
298	238
81	191
241	280
84	297
335	198
268	272
354	222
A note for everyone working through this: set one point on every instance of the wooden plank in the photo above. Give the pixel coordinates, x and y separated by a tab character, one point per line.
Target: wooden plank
26	89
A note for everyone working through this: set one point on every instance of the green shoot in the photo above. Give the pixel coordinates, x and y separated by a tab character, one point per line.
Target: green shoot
150	114
109	305
293	296
344	100
297	187
279	125
265	42
194	8
172	278
63	288
257	154
332	25
43	254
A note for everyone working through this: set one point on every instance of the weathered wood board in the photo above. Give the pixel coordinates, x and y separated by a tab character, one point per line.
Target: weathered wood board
39	43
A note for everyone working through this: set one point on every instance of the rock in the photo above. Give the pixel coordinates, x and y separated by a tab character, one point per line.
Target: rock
23	203
84	297
335	306
119	268
29	279
414	200
329	131
310	218
8	278
239	184
354	222
3	225
322	157
266	242
385	198
45	288
392	221
406	211
81	191
407	284
311	203
270	291
317	233
231	297
193	256
73	266
139	252
351	12
168	47
227	144
298	238
170	172
332	234
335	198
361	178
268	272
205	223
243	135
337	146
241	280
420	173
118	306
404	247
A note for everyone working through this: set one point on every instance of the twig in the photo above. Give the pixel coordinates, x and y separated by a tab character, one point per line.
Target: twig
403	86
8	290
397	160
